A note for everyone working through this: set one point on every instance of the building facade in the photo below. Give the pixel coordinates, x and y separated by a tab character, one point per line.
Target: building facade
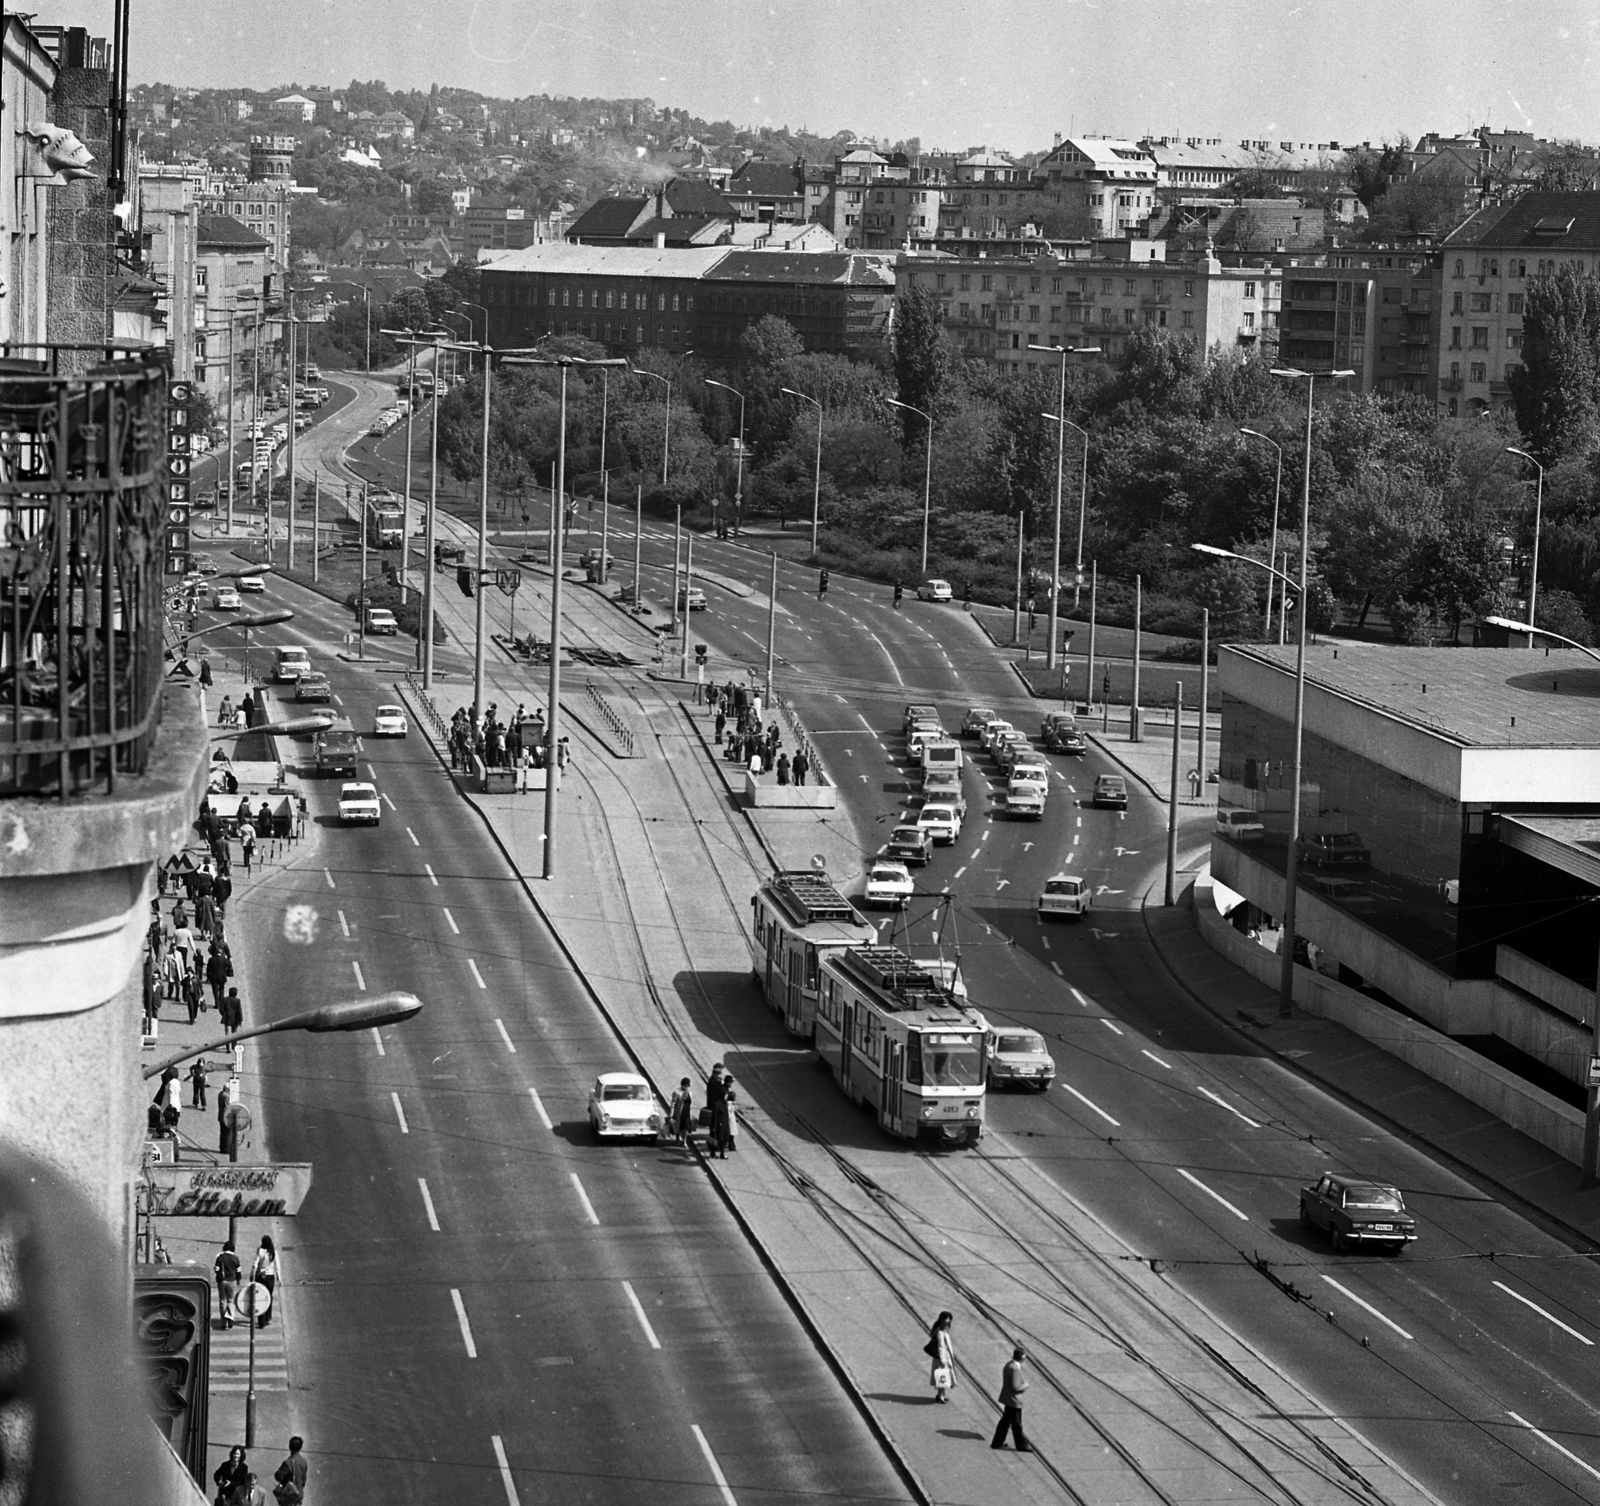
1113	180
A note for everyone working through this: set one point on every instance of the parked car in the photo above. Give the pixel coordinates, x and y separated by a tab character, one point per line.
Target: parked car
1064	737
621	1106
313	687
1112	790
1064	894
358	804
1021	1057
935	590
940	822
1357	1213
909	844
972	722
1244	827
889	884
389	721
1335	849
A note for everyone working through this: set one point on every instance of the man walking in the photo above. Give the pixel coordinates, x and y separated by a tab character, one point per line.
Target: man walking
217	975
1012	1384
291	1474
227	1270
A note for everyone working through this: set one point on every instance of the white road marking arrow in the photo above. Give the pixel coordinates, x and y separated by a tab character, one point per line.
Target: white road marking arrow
1001	885
1104	889
1126	852
1100	935
1026	846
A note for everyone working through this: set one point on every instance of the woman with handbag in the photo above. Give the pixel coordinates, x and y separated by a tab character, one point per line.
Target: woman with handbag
232	1478
940	1349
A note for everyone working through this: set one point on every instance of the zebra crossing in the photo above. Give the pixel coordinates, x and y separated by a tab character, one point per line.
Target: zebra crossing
230	1360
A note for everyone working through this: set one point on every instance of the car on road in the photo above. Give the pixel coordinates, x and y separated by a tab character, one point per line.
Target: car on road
1244	827
621	1107
888	885
1009	748
289	663
317	719
358	805
1064	894
1355	1213
992	729
225	599
972	722
1335	849
1030	774
909	844
692	599
1024	802
381	622
1065	737
389	721
921	735
943	787
1111	790
1055	719
935	590
252	583
917	711
1020	1057
940	822
336	751
1350	893
313	687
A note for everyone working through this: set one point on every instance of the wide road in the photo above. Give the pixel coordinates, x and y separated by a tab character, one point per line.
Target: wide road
488	1305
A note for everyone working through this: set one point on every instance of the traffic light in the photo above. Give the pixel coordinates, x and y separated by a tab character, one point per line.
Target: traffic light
464	579
699	653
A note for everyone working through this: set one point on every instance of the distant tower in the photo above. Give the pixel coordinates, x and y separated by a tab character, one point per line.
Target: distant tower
272	159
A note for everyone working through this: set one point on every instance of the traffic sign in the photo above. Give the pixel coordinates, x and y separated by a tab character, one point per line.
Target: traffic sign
254	1301
508	580
1594	1071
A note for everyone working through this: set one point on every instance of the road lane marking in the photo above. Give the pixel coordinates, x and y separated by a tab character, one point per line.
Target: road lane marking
728	1497
1549	1317
639	1313
1045	940
377	1040
985	838
1079	997
512	1498
361	982
427	1203
1075	839
344	925
962	869
583	1197
413	836
1156	1059
387	801
977	852
476	974
538	1108
1190	1177
455	929
1057	967
466	1327
432	876
1340	1286
501	1027
329	878
400	1114
1546	1438
336	700
1090	1103
1114	1028
372	773
1223	1102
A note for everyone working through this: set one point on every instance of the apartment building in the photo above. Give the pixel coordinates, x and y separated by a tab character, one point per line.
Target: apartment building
768	193
1114	180
231	267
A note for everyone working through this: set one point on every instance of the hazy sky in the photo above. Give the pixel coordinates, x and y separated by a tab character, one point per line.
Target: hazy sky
1004	73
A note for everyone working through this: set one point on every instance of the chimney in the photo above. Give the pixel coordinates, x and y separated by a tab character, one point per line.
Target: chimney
661	240
1057	141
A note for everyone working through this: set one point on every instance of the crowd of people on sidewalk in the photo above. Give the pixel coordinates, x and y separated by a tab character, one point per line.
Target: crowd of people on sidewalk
238	1485
736	714
517	743
718	1116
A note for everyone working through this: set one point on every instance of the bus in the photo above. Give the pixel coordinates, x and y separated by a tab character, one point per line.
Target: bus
898	1041
800	917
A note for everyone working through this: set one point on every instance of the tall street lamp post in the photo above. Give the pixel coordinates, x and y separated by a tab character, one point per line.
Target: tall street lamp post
738	475
927	474
1277	492
1083	497
1538	520
425	631
816	479
1064	423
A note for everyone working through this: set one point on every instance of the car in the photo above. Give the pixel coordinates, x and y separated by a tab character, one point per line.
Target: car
921	735
942	753
289	663
592	557
1356	1213
974	718
1334	849
1064	737
1021	1057
909	844
1112	790
225	599
888	884
381	622
1009	749
621	1107
940	822
692	599
1342	891
358	804
935	590
205	501
1032	776
1024	802
252	583
1244	827
943	787
336	751
991	729
313	687
317	719
1055	719
917	711
1064	894
389	721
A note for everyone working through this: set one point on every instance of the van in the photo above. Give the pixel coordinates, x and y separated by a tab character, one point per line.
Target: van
290	663
943	753
336	752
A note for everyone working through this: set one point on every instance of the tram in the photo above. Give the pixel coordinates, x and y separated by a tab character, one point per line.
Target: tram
896	1039
800	917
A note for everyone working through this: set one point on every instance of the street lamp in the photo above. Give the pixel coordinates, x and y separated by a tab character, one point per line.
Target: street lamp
1083	504
1538	518
738	481
816	482
666	433
1277	490
1290	875
927	474
366	298
251	620
482	310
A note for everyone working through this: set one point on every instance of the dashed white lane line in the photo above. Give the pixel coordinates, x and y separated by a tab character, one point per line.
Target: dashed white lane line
387	801
500	1025
477	976
639	1313
1079	997
1057	967
977	852
336	700
329	878
413	836
1075	839
372	774
1045	942
1115	1029
1091	1104
1546	1438
583	1197
962	869
433	878
538	1108
450	920
400	1114
1156	1059
1547	1316
427	1205
377	1040
1339	1286
1190	1177
984	837
466	1327
512	1498
344	925
728	1497
1223	1103
361	982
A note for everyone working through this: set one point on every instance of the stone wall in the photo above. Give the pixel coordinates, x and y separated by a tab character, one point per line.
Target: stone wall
81	228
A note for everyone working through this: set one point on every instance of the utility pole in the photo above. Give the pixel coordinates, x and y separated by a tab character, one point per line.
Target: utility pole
481	615
552	769
361	596
1172	801
677	562
405	501
1135	728
428	572
1205	686
688	585
1016	616
316	526
772	622
638	542
1094	601
293	414
230	465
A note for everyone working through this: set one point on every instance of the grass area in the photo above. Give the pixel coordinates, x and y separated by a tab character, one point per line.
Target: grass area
339	579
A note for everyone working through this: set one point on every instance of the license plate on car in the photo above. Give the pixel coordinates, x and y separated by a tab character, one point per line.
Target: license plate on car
1382	1228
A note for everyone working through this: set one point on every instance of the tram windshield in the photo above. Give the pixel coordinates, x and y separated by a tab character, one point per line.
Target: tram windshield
939	1060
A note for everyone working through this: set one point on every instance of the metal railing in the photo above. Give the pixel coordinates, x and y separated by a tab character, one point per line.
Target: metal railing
802	743
83	500
424	700
608	714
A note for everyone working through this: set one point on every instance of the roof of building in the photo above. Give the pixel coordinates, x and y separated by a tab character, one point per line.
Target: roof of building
1198	154
570	259
224	230
861	154
1106	153
759	178
610	217
1534	221
696	196
855	268
986	158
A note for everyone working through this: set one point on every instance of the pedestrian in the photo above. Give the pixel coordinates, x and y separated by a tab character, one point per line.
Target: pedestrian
224	890
783	768
224	1102
801	766
253	1494
225	712
232	1011
205	913
721	722
180	914
232	1478
716	1096
291	1474
197	1084
563	753
170	1098
265	1271
227	1270
940	1348
247	839
205	673
755	760
193	994
730	1117
1012	1384
217	976
264	821
680	1114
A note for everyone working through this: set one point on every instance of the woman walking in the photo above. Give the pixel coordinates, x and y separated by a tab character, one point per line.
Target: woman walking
266	1272
940	1348
680	1114
232	1477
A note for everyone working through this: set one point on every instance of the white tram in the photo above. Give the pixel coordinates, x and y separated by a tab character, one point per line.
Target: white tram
799	919
897	1039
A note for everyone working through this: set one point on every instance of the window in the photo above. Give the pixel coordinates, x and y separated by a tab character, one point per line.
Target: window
675	298
986	283
1127	315
1249	290
688	303
1513	339
1480	337
1055	312
1108	316
1011	284
661	303
1033	313
966	310
1157	286
1055	284
1517	269
1460	267
1033	284
638	335
1452	407
1455	337
983	313
939	281
1130	287
1455	305
661	334
1479	303
1188	287
1105	284
1249	321
1161	317
1188	318
965	284
1455	371
552	297
1478	372
566	297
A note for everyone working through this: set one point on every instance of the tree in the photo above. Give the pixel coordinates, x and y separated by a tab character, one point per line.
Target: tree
1456	570
1556	389
1371	172
1417	206
1568	167
923	361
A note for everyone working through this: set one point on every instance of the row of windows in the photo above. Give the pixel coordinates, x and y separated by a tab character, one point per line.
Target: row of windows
641	301
1157	286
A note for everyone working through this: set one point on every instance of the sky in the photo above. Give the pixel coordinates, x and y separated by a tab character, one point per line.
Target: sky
1008	74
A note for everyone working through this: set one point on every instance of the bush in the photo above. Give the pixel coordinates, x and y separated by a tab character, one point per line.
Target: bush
383	593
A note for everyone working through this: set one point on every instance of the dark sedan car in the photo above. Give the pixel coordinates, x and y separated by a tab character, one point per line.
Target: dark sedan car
313	688
1356	1213
909	844
1335	849
1063	737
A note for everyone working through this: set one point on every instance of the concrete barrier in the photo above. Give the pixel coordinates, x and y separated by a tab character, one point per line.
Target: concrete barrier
494	781
768	794
1542	1117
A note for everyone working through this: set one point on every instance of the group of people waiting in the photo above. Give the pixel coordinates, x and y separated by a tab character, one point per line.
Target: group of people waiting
518	743
717	1116
737	728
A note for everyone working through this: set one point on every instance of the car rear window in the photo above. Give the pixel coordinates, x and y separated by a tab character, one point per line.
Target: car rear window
1062	886
1376	1199
1019	1045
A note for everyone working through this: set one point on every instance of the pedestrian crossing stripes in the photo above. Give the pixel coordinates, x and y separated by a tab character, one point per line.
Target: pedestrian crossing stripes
230	1361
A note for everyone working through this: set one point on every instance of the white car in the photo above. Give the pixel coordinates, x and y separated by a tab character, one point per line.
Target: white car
621	1105
252	583
943	787
225	599
992	729
935	590
1243	826
1020	1056
359	803
921	735
1024	802
1030	775
1064	894
889	884
940	822
389	721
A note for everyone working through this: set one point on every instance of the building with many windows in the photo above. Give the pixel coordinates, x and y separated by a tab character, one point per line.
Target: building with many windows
1114	180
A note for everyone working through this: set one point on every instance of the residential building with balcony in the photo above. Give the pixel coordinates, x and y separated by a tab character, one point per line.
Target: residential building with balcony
768	193
232	264
1113	180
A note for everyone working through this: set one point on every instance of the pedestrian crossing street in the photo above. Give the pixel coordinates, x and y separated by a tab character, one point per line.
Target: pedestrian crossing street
230	1360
